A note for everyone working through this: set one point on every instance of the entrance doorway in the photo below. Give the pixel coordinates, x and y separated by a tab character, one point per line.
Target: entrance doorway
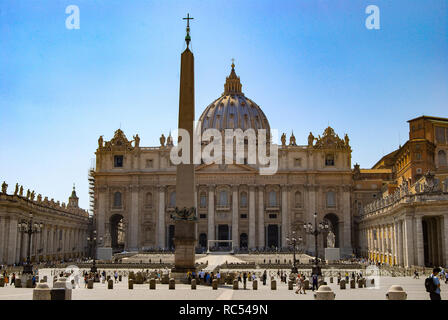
117	233
273	234
223	234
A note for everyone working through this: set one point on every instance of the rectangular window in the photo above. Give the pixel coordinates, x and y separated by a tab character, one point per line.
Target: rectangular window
243	216
202	216
329	159
440	135
149	163
118	161
272	216
297	162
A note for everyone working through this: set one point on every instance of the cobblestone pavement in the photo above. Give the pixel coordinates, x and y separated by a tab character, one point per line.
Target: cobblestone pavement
414	288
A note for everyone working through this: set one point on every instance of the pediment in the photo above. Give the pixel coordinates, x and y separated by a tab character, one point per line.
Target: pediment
225	168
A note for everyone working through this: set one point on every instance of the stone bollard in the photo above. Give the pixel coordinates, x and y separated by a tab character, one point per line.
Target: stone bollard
110	284
360	283
107	278
273	285
119	278
60	290
2	282
324	293
42	292
352	284
306	284
235	284
152	284
255	285
342	284
290	285
339	280
90	284
172	284
29	283
396	293
215	284
131	284
18	283
165	278
372	281
193	284
331	279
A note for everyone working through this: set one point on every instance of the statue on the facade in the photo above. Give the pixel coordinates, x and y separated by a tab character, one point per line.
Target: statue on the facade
28	194
100	142
39	198
283	139
21	191
331	239
17	189
4	187
346	139
310	139
137	141
169	141
32	195
162	140
292	140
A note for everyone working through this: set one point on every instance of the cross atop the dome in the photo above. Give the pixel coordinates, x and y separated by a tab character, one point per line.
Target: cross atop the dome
233	63
187	37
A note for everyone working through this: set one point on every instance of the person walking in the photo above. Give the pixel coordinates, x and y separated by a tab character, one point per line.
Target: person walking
314	277
432	284
302	281
298	284
244	279
116	276
264	277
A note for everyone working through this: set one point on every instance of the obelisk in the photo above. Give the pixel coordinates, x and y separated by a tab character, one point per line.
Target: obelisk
184	231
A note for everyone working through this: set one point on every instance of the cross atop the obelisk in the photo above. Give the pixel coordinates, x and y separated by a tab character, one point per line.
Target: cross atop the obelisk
187	37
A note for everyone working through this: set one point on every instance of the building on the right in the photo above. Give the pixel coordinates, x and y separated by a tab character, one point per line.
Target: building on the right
407	224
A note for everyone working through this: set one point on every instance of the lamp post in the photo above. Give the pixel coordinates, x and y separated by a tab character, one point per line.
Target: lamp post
29	227
315	231
92	244
293	241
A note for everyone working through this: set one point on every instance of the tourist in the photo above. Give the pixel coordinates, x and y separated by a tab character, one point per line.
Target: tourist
434	289
299	284
244	279
13	279
86	280
264	277
116	276
314	278
416	276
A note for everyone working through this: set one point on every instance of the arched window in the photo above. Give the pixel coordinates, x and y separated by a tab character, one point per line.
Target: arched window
223	201
331	199
117	199
243	201
173	199
272	198
298	199
442	158
149	199
329	159
203	200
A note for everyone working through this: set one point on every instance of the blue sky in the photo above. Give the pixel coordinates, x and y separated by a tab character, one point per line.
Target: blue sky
307	63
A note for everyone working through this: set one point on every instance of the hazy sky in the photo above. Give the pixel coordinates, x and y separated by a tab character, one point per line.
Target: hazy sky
307	63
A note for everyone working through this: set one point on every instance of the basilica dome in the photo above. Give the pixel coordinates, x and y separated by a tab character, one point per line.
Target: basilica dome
233	109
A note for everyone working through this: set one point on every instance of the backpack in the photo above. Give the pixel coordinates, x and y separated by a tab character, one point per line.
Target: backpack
430	285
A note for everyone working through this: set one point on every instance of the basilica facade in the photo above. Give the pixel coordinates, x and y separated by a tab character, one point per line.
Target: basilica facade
134	188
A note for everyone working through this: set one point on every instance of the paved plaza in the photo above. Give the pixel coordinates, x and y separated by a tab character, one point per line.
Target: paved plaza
414	288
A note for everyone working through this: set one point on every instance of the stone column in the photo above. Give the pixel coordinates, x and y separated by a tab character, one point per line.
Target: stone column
161	220
12	242
102	207
445	239
347	234
134	223
395	243
261	235
3	239
400	243
409	251
312	189
251	243
419	236
235	217
211	212
285	230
